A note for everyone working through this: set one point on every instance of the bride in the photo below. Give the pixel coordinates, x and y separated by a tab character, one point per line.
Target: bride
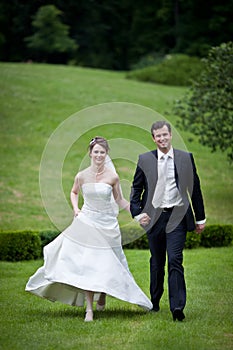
86	261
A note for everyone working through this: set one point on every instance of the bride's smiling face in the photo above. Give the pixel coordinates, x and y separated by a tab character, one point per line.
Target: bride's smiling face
98	154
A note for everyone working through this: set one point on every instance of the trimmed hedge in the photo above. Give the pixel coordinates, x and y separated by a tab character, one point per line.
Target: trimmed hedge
46	237
193	240
20	245
27	244
134	237
212	236
217	236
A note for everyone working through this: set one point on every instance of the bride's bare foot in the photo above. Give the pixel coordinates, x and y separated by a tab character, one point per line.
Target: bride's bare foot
89	316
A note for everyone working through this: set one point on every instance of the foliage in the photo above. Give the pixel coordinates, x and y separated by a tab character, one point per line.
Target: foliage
217	236
176	70
28	244
51	37
193	240
134	237
212	236
147	61
19	245
46	237
117	34
207	108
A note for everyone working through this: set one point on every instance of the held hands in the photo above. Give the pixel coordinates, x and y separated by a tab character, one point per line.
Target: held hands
145	220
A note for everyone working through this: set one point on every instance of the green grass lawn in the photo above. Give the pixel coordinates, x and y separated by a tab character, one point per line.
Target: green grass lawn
35	99
28	322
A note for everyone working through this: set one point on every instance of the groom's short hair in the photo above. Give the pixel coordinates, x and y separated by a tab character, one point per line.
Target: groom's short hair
160	124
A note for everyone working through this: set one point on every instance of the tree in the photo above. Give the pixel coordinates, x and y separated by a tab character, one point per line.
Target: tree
113	34
50	42
207	108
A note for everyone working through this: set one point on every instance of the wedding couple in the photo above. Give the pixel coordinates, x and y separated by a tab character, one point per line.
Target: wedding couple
86	261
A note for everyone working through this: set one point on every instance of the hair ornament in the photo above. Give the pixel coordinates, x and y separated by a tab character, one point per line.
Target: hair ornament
92	141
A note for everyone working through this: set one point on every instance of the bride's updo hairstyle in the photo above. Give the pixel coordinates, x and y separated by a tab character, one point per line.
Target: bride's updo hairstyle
98	140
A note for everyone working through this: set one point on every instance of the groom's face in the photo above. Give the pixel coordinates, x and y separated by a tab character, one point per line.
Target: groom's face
162	137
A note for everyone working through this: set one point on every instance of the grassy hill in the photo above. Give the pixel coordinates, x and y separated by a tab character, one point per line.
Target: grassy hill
36	99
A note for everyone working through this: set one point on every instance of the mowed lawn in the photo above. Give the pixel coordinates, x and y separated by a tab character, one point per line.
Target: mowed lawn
35	99
28	322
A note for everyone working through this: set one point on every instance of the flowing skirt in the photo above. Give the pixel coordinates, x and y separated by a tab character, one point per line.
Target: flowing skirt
83	258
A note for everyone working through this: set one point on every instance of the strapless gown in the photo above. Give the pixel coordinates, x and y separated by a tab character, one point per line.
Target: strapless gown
88	255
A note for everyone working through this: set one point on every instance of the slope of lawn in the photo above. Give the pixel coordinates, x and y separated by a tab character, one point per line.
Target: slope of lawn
35	99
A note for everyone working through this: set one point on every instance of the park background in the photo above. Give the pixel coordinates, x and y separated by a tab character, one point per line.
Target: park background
108	39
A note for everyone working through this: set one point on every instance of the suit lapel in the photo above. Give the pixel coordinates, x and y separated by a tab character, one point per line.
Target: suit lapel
155	164
177	166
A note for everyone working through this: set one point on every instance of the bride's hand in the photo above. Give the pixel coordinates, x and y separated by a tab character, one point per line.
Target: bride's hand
145	220
76	212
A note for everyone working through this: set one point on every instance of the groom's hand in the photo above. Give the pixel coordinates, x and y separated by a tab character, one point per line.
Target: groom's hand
145	220
199	228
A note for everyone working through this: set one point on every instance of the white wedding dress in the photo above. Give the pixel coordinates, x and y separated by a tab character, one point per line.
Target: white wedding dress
88	256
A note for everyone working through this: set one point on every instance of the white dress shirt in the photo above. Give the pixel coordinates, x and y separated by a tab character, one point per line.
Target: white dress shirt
172	197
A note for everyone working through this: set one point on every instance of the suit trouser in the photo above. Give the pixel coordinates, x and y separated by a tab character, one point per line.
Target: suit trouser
173	242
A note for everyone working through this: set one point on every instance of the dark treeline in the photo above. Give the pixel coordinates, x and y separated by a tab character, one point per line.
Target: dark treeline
116	34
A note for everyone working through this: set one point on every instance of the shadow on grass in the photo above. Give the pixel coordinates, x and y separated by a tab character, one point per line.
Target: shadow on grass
74	312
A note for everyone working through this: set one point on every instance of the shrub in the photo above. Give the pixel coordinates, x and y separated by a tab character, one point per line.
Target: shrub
217	236
27	245
193	240
178	70
47	237
134	237
148	60
19	245
140	241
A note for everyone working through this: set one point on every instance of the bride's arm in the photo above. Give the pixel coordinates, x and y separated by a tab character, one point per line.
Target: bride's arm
118	195
74	195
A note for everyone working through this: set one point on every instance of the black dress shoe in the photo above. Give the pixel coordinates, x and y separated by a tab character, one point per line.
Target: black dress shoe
178	315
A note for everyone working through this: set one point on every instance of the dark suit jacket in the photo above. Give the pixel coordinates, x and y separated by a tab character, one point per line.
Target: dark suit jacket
188	184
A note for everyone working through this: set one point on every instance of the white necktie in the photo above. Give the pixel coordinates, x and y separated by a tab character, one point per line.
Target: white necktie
161	183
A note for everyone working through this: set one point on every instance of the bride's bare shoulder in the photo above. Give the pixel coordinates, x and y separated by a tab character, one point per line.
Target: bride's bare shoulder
82	174
112	174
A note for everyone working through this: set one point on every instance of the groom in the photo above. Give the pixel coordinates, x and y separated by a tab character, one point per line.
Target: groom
165	185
